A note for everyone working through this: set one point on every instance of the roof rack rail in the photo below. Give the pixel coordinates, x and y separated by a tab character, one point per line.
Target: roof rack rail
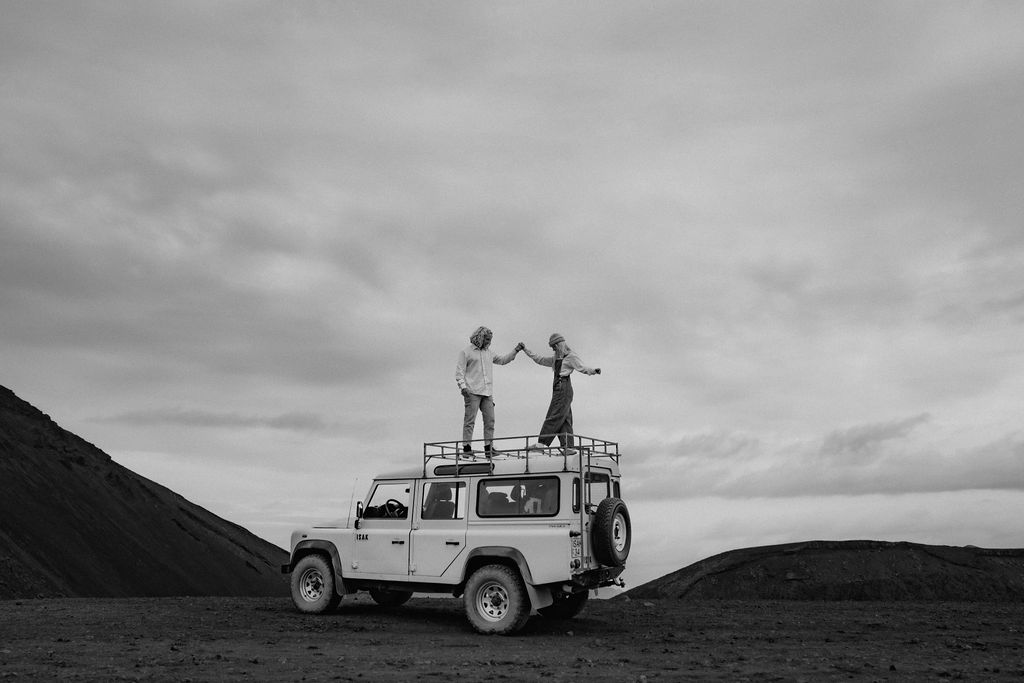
453	458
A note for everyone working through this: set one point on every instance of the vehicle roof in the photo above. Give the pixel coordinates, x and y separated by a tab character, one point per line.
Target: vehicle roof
408	473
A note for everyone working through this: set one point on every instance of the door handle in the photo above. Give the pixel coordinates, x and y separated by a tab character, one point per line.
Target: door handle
397	541
451	543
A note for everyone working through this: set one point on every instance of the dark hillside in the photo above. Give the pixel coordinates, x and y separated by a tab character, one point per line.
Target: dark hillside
73	522
848	570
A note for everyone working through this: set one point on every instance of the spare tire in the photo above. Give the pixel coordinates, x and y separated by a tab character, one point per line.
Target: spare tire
611	533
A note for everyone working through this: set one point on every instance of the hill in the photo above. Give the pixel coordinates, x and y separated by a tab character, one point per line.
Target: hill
75	523
847	570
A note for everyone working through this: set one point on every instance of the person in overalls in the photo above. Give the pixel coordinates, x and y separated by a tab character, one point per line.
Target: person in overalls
558	421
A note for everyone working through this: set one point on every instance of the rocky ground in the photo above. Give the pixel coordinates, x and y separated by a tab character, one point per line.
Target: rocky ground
261	639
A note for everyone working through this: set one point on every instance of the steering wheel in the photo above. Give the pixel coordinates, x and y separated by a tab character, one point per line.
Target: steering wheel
393	508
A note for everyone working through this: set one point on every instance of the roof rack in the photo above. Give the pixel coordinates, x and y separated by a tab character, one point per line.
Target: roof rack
451	459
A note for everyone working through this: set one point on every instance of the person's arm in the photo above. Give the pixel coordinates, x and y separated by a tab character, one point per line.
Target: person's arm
507	358
574	362
538	359
460	372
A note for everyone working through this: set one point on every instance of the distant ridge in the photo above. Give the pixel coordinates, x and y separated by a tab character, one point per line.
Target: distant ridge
75	523
847	570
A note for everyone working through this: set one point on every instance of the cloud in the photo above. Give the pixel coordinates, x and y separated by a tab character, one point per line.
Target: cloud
788	238
866	439
881	458
299	421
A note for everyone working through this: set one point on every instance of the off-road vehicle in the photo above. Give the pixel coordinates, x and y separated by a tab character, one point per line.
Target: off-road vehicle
514	532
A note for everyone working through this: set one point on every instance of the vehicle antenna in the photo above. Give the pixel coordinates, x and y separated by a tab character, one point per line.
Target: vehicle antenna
351	502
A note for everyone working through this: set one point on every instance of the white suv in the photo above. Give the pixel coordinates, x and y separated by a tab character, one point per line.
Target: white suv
519	532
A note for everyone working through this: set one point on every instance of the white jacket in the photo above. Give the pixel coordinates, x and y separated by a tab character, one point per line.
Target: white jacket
474	370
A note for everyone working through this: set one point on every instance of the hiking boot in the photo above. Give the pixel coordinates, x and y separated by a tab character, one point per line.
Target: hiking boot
537	447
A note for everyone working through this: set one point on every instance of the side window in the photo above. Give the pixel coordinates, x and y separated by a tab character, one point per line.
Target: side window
617	489
390	500
523	497
444	500
576	494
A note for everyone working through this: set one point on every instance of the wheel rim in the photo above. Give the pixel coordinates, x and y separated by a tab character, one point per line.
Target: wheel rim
619	534
492	601
311	585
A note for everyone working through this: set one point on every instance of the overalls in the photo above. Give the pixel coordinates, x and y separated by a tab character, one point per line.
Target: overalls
559	418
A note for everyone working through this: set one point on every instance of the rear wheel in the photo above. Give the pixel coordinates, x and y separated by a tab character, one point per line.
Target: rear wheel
313	585
496	600
389	598
565	606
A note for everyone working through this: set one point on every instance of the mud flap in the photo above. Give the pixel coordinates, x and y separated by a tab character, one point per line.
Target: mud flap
538	598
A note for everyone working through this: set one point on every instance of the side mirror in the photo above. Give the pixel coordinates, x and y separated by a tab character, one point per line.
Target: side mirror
359	513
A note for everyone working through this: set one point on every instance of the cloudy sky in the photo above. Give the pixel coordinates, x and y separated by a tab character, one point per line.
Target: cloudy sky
241	244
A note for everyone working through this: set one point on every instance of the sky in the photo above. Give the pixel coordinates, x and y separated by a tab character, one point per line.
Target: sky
242	243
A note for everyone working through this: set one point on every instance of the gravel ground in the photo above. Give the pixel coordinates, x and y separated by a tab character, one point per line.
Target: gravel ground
265	639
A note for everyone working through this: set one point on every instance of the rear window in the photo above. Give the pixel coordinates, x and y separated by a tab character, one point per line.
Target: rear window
520	497
598	486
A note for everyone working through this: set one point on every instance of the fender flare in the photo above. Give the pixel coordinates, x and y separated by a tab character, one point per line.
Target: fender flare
503	552
309	547
538	598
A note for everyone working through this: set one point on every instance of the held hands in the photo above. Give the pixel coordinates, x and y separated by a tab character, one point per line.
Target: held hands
520	346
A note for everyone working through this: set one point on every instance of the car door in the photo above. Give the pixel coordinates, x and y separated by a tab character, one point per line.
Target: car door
381	547
439	531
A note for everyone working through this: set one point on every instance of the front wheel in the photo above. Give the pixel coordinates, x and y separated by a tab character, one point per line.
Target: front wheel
389	598
496	600
313	585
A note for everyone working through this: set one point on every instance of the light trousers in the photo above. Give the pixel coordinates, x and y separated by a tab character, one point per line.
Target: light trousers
485	405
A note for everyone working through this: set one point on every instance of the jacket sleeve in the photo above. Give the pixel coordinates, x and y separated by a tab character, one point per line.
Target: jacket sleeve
504	360
574	362
460	370
541	360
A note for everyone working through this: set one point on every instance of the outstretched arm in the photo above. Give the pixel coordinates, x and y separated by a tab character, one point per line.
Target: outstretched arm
574	362
549	361
507	358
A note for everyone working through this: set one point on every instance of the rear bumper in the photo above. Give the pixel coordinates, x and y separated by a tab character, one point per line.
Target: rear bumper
597	578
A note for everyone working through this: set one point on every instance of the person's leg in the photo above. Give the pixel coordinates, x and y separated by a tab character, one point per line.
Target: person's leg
469	420
568	420
487	410
555	418
565	429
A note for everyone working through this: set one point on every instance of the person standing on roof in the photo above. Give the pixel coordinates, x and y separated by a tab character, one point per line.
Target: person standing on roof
559	418
473	374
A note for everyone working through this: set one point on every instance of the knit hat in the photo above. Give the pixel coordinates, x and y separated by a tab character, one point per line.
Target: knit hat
555	338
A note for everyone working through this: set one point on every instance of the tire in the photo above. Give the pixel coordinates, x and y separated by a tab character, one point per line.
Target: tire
565	606
313	585
389	598
612	533
496	601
